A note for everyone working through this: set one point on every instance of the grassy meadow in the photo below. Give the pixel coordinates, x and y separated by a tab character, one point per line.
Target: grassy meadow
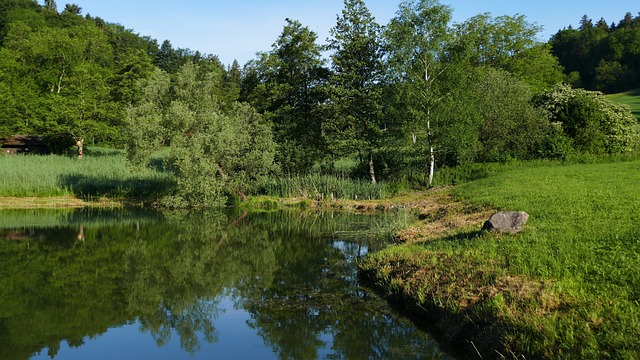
631	98
100	173
568	286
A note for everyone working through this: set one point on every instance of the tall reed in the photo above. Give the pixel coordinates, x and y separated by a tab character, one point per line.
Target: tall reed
94	175
320	187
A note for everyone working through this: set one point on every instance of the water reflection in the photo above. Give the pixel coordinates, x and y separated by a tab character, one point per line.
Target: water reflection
70	277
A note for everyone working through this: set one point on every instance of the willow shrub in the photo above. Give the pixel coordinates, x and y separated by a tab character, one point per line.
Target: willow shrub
214	149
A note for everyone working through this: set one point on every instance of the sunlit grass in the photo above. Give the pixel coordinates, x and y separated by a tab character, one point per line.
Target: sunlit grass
101	172
567	287
631	98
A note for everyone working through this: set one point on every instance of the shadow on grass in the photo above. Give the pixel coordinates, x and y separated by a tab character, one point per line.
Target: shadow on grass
635	92
459	237
93	186
100	152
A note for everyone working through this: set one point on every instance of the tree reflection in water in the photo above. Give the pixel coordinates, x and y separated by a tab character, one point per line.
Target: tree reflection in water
168	271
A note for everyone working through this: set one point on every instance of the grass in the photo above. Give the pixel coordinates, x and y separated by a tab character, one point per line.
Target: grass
322	187
100	173
631	98
567	287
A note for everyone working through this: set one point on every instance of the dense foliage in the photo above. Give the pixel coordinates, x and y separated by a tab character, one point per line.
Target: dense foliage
215	148
591	122
67	77
400	100
601	56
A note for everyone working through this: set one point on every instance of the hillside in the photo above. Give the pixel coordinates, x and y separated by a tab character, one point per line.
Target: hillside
631	98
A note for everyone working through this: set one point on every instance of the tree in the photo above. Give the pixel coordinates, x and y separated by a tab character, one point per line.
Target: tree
166	58
510	127
355	84
606	58
290	92
508	43
12	6
233	80
213	153
72	9
495	41
68	70
538	67
50	5
416	40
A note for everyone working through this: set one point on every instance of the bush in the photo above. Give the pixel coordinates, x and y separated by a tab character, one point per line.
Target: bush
594	123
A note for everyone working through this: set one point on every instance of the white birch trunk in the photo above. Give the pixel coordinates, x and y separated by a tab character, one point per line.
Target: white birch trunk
432	157
372	171
80	145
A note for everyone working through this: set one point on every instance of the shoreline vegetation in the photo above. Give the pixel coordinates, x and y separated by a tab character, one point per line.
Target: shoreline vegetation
568	286
480	113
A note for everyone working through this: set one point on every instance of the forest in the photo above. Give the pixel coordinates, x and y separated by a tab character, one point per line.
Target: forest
399	101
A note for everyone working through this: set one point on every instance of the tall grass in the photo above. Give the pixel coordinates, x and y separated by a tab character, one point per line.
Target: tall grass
321	187
99	173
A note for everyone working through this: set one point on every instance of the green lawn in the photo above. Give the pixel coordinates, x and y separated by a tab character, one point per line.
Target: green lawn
631	98
567	287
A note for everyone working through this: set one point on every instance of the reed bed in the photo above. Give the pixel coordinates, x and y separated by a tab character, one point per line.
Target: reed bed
322	187
97	174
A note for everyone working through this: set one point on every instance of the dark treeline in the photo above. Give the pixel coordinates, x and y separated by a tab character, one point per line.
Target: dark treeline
601	56
398	101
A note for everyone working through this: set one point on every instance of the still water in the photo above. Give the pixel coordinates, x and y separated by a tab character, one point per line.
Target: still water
92	284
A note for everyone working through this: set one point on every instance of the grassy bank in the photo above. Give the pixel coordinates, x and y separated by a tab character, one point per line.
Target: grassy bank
27	180
567	287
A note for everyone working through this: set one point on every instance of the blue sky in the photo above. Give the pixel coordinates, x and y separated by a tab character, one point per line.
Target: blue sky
237	29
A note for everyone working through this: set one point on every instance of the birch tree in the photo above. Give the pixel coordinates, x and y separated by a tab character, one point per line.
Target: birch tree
416	40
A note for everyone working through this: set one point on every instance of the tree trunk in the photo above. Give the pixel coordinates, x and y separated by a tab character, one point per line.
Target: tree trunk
372	171
432	165
80	145
432	158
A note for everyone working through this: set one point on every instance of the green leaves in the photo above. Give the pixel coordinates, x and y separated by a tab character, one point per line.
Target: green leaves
355	88
605	56
594	123
213	152
289	93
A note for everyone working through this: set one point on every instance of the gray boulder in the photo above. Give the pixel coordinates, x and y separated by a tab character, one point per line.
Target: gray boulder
506	222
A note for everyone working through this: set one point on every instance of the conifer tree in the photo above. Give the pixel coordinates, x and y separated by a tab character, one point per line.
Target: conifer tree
355	84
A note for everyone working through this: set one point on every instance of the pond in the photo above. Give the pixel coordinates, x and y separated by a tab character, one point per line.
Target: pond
78	284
